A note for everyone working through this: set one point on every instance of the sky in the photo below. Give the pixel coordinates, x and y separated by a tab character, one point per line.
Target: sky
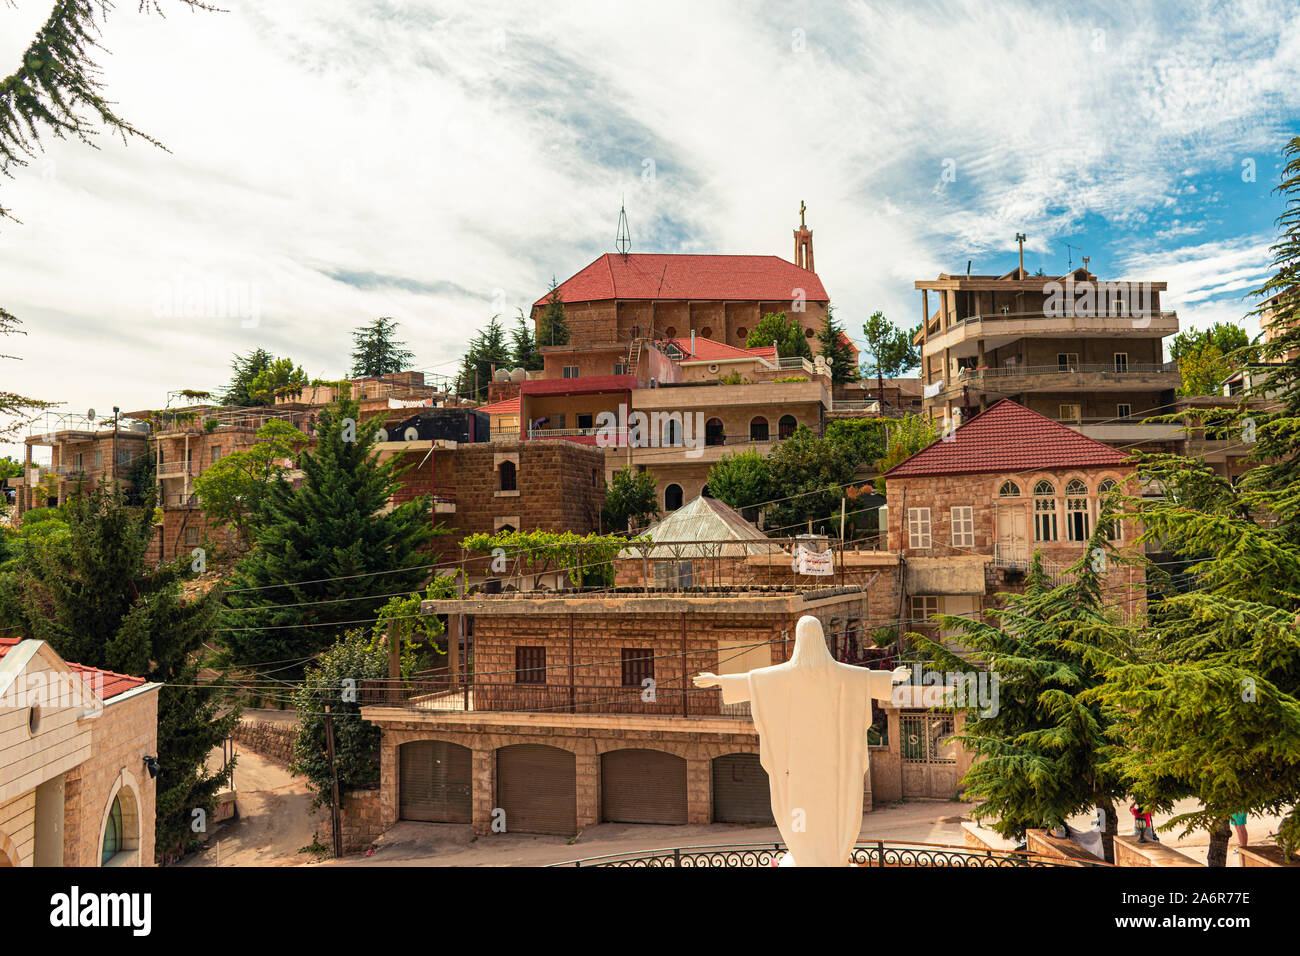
331	161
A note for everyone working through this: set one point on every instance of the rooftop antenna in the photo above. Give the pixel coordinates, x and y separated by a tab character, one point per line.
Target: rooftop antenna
623	241
1071	254
1020	241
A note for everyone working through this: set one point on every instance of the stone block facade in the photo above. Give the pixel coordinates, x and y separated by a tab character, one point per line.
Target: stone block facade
268	739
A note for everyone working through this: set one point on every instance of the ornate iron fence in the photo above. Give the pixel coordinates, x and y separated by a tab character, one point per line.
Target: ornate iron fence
867	853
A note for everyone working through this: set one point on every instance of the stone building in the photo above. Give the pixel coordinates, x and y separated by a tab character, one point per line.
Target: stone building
967	514
75	787
580	710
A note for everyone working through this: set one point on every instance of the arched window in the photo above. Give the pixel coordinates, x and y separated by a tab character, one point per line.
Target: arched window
114	840
1009	489
672	436
758	429
1114	532
785	428
1044	511
1076	510
713	433
509	477
672	497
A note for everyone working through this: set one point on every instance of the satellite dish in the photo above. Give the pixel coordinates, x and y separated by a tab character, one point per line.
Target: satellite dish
412	434
381	435
90	414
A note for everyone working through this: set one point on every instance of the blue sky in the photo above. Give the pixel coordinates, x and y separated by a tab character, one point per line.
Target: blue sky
335	160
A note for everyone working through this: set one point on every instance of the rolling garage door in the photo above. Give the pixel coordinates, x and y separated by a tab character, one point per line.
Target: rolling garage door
642	786
537	787
434	781
741	793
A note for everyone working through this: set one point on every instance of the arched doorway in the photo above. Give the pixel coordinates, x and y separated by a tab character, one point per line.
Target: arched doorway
786	427
434	782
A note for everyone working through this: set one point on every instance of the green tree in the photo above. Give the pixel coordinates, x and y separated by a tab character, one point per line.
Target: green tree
523	345
488	349
329	551
1206	357
376	350
259	376
889	350
864	440
331	682
834	346
810	474
1042	754
234	489
907	436
552	326
630	496
786	333
742	480
98	601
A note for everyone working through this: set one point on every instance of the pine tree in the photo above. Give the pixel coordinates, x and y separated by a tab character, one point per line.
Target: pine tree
376	350
1212	704
786	333
97	602
834	346
524	345
327	551
1043	753
487	350
889	350
552	327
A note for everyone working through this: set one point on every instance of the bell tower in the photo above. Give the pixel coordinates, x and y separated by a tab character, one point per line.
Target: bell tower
803	249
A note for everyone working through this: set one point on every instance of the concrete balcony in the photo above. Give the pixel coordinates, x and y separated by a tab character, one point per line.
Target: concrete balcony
1018	325
1077	378
1128	432
704	397
174	469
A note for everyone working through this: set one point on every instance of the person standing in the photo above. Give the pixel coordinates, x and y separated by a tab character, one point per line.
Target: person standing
1238	821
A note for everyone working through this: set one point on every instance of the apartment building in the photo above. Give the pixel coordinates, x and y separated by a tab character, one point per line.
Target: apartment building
75	741
83	451
966	515
1082	351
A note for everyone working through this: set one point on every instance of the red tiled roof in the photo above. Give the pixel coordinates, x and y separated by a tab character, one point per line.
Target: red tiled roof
509	406
578	386
113	683
694	277
710	350
1008	437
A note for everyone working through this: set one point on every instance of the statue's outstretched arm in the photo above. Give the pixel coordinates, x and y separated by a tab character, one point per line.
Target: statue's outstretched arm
735	687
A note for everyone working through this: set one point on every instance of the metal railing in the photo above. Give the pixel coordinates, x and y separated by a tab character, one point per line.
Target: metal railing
1139	315
882	853
1010	371
442	694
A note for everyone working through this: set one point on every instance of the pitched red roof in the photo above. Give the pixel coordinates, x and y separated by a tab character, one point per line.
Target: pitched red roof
1008	437
587	385
509	406
695	277
113	683
710	350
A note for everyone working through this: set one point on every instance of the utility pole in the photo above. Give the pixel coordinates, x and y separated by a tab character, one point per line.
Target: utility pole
114	466
334	778
1020	240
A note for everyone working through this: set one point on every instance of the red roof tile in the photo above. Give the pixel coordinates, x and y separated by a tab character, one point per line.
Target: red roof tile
694	277
578	386
113	683
1008	437
508	407
710	350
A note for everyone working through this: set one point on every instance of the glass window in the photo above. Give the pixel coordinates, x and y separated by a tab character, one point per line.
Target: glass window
1009	489
758	429
1114	531
509	476
1076	510
113	832
1044	511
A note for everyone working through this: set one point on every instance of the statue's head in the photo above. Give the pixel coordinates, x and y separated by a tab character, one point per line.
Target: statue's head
810	643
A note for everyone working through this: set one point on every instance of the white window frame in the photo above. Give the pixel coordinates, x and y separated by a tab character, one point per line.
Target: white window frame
924	607
1123	410
1071	363
1045	516
571	371
1066	417
963	526
919	529
1121	362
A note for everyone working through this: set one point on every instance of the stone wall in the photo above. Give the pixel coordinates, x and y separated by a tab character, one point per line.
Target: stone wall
360	818
268	739
1129	852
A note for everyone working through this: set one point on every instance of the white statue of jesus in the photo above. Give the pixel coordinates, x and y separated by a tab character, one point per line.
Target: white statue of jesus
812	715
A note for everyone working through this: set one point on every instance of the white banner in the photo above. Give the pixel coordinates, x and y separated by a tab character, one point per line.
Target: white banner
810	562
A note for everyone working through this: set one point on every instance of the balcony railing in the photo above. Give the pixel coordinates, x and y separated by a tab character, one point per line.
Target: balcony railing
1011	371
441	694
1054	316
